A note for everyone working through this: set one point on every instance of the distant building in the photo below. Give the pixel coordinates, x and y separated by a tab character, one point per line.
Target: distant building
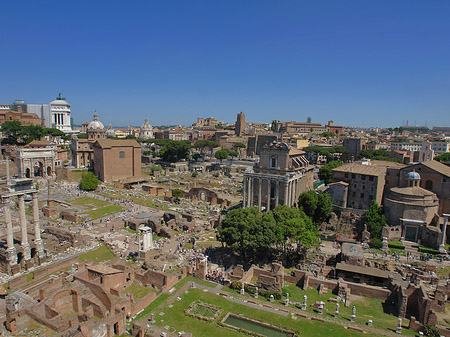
146	131
56	114
353	146
117	159
18	112
82	151
240	124
282	174
59	117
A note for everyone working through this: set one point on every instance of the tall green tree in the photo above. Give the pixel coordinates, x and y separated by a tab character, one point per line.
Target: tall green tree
324	208
247	231
89	181
174	150
375	220
317	206
12	131
326	171
222	154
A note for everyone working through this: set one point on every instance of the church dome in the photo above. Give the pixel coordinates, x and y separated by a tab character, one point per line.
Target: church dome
95	124
413	175
146	125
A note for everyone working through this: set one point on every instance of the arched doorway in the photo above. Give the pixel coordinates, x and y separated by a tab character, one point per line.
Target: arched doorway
28	173
38	169
49	171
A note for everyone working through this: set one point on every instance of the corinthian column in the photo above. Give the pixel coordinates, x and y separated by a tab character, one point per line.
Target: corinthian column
23	229
37	226
11	254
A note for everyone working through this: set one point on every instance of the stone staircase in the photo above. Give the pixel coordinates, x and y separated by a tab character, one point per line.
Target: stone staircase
412	248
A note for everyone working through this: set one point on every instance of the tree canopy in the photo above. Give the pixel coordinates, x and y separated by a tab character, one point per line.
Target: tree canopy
326	171
18	134
175	150
255	235
443	158
378	155
317	206
89	181
375	220
222	154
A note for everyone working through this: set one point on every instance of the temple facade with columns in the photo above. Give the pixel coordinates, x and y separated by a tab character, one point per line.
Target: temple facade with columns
19	257
281	175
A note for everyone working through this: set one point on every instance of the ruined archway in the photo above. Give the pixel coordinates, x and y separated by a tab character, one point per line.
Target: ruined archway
38	169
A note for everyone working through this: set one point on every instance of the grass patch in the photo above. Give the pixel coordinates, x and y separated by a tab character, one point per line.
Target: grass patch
30	277
138	291
442	271
396	244
100	254
175	317
366	308
100	212
88	201
199	309
188	245
130	230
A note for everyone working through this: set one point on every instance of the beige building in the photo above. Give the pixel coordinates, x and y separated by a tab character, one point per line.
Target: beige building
365	183
282	174
117	159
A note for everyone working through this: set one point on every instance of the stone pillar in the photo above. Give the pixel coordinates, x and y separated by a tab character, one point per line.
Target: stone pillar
244	199
286	194
444	233
11	254
277	193
250	190
37	227
268	194
23	229
292	198
259	193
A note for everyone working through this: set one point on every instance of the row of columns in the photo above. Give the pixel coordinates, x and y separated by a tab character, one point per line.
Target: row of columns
59	119
290	188
11	250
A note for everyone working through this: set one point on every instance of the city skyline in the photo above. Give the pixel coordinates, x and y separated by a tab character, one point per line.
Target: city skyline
359	64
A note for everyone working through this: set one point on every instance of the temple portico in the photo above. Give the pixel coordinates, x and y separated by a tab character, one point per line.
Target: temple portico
282	188
282	174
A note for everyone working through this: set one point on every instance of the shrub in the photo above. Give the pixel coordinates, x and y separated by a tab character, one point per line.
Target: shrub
430	330
194	174
375	243
89	181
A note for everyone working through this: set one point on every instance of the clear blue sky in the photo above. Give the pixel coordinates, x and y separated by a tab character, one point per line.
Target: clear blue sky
368	63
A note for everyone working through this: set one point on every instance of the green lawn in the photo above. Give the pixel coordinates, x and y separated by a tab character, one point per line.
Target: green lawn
98	255
138	291
88	201
366	308
175	317
100	212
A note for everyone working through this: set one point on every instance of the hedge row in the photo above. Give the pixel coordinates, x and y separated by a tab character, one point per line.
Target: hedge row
396	244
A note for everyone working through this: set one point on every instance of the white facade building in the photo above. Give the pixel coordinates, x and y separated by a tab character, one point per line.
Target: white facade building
146	131
60	115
